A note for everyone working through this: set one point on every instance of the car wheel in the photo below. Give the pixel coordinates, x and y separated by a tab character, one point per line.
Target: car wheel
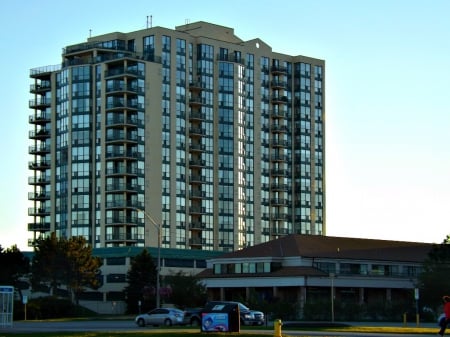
167	322
195	322
141	322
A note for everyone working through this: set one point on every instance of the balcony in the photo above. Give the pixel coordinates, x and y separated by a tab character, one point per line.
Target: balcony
197	194
279	143
277	128
43	180
197	147
279	157
121	104
42	87
122	72
124	187
39	165
122	154
279	99
278	113
38	211
39	103
279	172
196	86
197	179
279	187
197	163
124	237
39	134
200	132
277	69
38	196
118	88
195	241
123	171
120	120
195	115
39	149
39	118
197	225
276	84
120	136
196	101
124	204
197	210
44	71
279	202
39	226
122	220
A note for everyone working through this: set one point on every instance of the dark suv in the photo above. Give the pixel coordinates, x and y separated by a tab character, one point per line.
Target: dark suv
247	316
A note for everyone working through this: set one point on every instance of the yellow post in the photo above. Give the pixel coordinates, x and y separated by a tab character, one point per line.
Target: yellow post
277	328
404	319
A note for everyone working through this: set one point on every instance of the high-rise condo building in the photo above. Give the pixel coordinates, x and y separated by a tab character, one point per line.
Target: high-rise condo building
215	141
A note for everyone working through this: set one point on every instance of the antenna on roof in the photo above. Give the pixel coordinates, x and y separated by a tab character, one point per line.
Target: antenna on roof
149	22
187	21
90	33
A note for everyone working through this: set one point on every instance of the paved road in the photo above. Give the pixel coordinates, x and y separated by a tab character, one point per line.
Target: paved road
129	326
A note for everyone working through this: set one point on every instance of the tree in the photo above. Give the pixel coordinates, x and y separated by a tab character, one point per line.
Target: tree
141	283
83	267
61	262
187	290
49	265
433	281
14	265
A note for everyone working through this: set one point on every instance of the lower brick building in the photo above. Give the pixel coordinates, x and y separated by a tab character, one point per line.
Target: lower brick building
303	269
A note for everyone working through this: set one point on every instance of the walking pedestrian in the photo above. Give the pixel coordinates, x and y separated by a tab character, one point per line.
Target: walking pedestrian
445	321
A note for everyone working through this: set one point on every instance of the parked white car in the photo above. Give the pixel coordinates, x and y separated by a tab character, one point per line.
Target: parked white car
160	316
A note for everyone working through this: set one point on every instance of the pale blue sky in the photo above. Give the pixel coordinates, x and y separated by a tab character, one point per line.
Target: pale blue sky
387	96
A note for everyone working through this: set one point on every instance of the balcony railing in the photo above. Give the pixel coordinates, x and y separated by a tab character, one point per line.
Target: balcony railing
39	226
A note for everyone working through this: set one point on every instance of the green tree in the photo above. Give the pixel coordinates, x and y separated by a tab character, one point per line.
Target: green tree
49	264
433	281
14	266
187	290
83	267
141	287
61	262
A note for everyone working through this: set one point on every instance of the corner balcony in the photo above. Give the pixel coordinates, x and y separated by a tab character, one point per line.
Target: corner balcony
39	134
39	165
36	180
38	211
40	118
39	226
39	149
39	103
34	196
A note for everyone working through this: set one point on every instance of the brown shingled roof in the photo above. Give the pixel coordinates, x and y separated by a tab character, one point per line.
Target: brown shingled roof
337	248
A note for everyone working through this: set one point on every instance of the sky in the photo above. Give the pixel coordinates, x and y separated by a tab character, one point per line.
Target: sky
387	96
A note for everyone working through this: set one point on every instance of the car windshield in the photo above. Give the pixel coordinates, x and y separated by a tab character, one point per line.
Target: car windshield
243	307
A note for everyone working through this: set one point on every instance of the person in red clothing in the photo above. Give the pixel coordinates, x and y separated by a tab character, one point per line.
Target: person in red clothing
445	321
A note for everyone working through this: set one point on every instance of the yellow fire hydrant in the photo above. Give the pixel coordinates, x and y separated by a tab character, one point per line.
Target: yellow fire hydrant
277	324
